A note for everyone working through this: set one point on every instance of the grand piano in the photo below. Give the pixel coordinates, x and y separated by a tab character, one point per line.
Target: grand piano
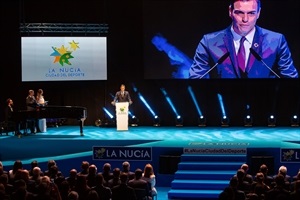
49	111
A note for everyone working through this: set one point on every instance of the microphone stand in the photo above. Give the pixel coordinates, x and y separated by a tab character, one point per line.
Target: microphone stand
259	58
219	62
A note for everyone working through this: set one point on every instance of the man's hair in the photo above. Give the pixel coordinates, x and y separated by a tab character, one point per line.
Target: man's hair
233	1
8	100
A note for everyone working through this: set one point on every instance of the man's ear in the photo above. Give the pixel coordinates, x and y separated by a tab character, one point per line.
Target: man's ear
230	11
258	13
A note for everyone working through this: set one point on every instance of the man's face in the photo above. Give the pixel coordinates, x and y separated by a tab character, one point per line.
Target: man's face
122	88
244	15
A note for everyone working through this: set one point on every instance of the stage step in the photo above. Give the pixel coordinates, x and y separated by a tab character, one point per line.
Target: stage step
208	165
180	194
199	184
203	176
213	158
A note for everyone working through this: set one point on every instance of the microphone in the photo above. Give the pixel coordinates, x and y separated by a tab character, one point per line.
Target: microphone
217	63
259	58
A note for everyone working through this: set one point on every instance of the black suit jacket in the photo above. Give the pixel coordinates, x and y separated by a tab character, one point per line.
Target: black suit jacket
122	98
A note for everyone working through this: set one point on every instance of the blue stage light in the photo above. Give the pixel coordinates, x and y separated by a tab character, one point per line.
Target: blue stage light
295	120
179	121
248	121
201	121
108	113
110	121
156	121
271	120
171	105
225	120
134	121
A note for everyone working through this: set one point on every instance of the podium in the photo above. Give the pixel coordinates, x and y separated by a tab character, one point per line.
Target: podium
122	116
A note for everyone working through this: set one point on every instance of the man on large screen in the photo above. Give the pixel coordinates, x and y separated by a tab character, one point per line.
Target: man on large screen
243	50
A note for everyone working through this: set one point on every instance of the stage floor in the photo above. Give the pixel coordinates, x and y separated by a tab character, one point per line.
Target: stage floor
12	147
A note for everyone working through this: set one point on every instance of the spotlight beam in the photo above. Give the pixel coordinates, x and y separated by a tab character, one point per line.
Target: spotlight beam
146	104
221	105
108	113
169	101
194	100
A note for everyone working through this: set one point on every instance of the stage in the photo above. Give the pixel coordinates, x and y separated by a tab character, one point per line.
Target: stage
68	148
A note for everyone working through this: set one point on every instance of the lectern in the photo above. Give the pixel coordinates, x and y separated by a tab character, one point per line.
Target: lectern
122	116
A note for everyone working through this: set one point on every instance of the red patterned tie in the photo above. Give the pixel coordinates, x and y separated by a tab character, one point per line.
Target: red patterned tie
241	55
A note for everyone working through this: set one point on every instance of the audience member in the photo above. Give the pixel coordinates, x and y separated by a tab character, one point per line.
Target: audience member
2	171
12	173
3	195
92	195
33	164
297	176
84	168
295	195
21	191
278	192
243	185
295	179
36	176
64	190
81	187
258	186
47	189
73	195
247	177
30	184
123	191
149	176
283	171
139	183
48	171
92	172
104	192
238	194
126	169
72	179
9	188
116	179
267	179
106	173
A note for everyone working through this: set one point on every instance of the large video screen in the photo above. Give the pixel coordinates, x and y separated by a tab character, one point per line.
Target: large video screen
63	58
193	39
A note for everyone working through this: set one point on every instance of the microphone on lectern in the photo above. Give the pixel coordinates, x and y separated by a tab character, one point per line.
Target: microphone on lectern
259	58
217	63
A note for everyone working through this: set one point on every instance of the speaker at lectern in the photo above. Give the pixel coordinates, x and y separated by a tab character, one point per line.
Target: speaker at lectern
122	116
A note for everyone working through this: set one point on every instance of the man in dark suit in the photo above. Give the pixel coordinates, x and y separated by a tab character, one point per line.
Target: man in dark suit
122	96
31	105
123	191
9	121
140	185
263	53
